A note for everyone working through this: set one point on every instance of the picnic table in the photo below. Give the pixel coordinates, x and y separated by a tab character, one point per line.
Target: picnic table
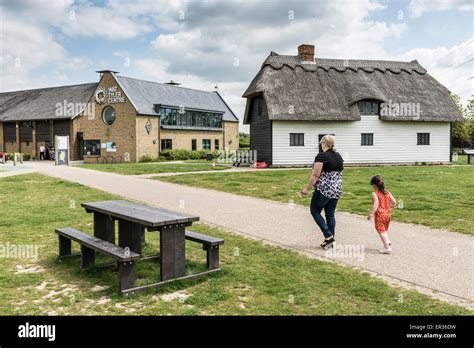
133	219
469	154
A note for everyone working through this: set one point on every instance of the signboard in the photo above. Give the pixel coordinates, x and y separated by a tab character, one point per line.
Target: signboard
111	146
109	95
61	150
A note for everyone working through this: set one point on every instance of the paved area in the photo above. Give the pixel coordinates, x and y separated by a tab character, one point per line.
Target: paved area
8	169
434	261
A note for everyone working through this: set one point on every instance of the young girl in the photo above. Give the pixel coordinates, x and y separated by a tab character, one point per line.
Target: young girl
382	201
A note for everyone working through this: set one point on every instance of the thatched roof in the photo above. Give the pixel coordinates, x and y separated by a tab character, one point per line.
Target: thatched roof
40	104
329	89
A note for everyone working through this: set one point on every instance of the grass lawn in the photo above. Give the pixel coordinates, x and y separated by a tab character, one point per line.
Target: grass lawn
256	279
462	159
154	167
436	196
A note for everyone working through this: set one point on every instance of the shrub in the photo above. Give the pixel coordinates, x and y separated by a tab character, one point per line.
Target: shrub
181	154
146	159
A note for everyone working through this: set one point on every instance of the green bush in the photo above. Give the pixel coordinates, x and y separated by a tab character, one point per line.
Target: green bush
147	159
182	155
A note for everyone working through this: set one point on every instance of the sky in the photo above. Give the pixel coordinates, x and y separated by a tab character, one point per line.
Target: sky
204	44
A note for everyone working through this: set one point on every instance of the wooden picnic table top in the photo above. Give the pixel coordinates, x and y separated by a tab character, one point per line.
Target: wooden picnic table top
140	213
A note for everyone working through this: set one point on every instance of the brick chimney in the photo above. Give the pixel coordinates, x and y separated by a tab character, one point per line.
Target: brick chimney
306	52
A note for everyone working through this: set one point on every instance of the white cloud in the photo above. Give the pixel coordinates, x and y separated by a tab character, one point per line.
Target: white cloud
452	66
103	23
24	48
226	43
419	7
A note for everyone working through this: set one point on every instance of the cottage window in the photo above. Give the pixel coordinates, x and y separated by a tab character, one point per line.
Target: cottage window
259	107
367	139
108	115
423	139
193	144
166	144
296	139
92	147
206	144
368	107
216	144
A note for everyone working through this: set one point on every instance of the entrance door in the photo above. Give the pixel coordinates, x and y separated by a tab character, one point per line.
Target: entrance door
80	145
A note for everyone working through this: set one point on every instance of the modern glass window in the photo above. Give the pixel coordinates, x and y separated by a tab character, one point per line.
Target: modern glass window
166	144
193	144
190	119
367	139
423	139
206	144
368	107
108	115
92	147
216	144
296	139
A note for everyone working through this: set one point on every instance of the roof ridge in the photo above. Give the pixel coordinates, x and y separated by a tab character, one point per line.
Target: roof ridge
46	88
163	84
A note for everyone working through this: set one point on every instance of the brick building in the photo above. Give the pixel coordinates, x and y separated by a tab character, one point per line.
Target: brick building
118	117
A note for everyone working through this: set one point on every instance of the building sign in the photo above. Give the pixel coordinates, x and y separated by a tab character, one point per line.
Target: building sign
148	126
109	95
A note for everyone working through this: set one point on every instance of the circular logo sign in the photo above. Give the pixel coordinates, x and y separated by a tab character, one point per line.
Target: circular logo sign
100	95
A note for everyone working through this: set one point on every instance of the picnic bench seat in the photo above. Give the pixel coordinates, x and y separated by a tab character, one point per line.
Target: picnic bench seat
210	244
90	245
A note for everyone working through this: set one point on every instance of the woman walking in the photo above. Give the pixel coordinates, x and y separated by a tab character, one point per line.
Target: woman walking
327	181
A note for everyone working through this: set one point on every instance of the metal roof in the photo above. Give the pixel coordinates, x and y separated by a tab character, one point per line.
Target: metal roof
145	94
42	103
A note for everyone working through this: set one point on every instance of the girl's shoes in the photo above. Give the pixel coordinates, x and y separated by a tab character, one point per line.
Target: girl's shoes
385	251
327	243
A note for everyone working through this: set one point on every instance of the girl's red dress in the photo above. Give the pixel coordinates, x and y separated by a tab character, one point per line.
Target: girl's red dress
382	215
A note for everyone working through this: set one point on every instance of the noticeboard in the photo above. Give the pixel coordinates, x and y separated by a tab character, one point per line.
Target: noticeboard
61	149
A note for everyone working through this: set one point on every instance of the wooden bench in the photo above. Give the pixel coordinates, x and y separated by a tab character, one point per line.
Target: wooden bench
90	244
210	244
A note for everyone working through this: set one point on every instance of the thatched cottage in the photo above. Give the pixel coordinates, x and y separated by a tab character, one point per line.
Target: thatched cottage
379	111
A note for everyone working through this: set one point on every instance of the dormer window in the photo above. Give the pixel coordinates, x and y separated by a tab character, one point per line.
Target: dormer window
368	107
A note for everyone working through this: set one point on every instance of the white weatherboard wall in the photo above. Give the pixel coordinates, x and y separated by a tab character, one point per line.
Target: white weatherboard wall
393	141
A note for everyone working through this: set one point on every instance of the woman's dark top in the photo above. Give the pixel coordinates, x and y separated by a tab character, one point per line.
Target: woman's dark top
329	183
332	161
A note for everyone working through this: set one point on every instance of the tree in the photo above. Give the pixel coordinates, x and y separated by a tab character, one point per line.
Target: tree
462	130
244	140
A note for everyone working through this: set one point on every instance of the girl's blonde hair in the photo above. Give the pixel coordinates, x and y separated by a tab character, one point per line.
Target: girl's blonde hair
330	141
